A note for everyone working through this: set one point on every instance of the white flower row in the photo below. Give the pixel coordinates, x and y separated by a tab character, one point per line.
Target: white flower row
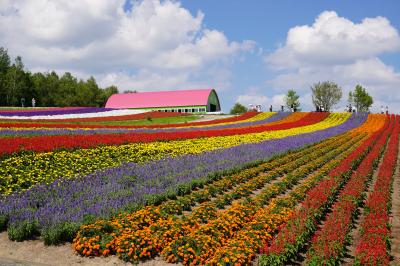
84	115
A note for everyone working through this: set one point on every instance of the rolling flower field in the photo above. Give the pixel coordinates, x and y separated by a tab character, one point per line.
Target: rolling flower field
258	188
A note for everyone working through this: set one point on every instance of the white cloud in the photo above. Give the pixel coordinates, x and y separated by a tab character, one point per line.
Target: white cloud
335	40
256	98
99	37
337	49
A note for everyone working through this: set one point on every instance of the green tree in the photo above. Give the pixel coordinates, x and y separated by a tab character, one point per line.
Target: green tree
16	82
66	91
4	66
106	93
4	60
238	109
130	91
87	93
326	94
360	99
292	100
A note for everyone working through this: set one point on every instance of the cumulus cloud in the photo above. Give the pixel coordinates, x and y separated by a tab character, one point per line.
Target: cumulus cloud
255	97
100	37
335	40
336	49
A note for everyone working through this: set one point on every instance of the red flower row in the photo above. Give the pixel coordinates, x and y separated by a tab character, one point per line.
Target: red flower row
373	248
49	143
41	122
304	222
328	244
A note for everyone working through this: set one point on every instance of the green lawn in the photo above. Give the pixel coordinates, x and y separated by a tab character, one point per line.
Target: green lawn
146	122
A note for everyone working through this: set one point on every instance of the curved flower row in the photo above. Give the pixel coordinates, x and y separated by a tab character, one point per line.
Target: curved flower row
80	110
263	119
49	143
328	243
372	248
69	123
24	171
80	197
138	116
165	230
303	223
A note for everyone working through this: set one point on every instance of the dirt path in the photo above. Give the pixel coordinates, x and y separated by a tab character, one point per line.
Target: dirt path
35	253
395	216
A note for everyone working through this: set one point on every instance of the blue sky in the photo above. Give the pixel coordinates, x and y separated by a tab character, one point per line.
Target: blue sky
249	51
267	22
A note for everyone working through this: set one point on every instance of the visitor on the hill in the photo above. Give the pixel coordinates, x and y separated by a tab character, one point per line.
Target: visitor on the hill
282	108
23	102
381	109
270	108
387	110
33	102
350	108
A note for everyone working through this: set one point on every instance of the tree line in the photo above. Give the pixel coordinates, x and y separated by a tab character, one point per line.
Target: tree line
18	86
324	96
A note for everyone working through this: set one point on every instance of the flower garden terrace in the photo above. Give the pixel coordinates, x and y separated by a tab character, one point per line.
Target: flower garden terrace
211	193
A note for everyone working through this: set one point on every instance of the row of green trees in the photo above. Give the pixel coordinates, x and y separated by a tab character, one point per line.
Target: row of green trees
48	89
327	94
324	96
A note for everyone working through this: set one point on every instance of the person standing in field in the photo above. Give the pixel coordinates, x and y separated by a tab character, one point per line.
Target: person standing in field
33	102
387	110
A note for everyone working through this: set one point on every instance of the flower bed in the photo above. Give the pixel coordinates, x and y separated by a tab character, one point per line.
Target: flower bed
24	171
303	223
374	246
49	143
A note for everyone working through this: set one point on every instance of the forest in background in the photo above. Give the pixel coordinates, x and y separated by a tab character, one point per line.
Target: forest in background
48	89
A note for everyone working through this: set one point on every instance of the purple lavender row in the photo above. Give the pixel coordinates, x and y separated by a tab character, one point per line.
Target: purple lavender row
104	192
57	112
50	132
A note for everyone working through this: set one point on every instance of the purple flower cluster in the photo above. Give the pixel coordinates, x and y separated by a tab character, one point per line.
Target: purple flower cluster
104	192
65	111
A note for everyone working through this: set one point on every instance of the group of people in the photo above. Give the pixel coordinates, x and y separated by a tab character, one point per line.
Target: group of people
350	109
23	102
382	110
292	108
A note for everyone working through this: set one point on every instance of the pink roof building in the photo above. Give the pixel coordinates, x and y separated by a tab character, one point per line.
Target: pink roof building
202	100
